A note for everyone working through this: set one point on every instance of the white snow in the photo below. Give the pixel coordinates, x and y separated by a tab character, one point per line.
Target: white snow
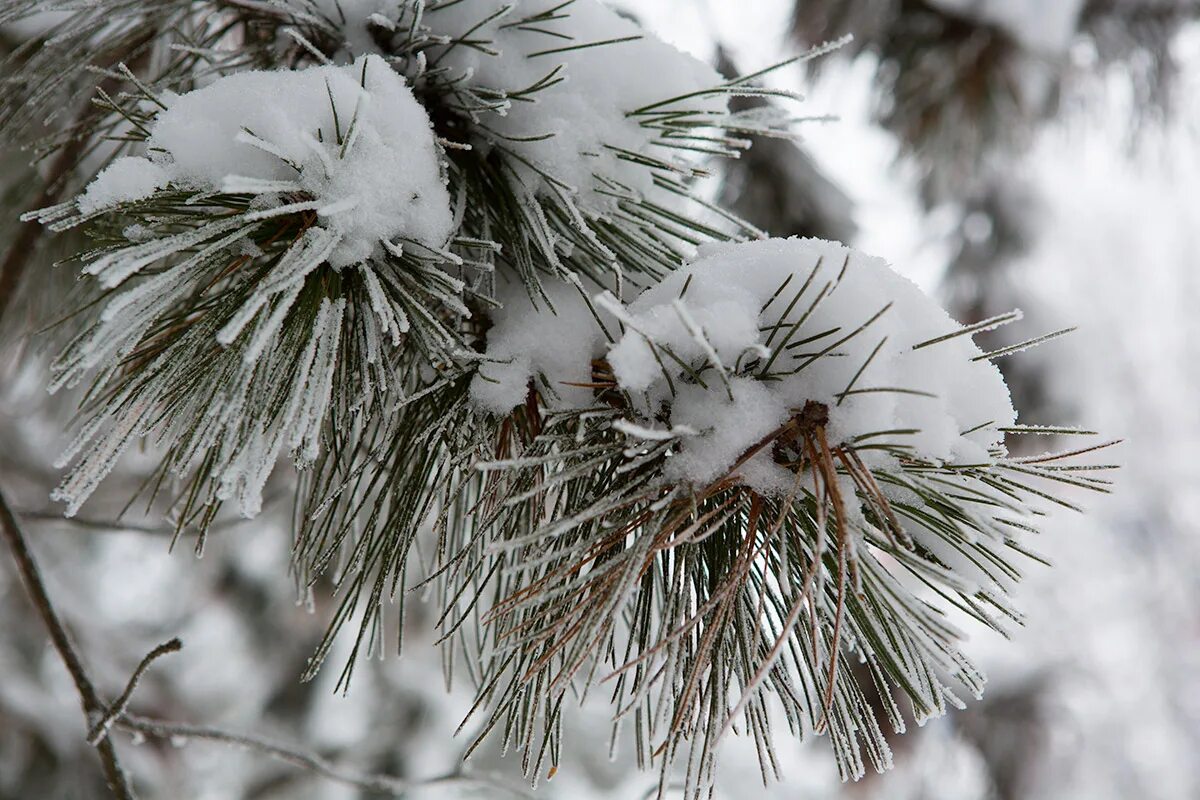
733	294
528	340
585	113
124	180
353	138
590	63
725	430
717	316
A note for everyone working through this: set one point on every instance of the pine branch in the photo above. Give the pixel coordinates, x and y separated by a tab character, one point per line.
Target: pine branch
725	494
607	547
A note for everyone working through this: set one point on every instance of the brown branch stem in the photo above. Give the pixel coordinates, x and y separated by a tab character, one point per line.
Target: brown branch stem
118	708
89	698
318	765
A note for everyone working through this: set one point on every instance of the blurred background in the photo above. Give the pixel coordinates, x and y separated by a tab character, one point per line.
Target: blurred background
1001	153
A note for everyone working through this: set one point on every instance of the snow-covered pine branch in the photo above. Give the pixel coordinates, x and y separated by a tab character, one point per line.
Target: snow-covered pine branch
448	254
267	202
336	165
783	450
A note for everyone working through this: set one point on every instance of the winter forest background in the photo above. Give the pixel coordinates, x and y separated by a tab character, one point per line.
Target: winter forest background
1001	153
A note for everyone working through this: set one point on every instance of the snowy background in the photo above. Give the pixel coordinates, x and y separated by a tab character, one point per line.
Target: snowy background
1098	697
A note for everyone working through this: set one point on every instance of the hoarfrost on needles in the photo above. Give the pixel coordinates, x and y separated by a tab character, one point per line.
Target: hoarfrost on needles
348	144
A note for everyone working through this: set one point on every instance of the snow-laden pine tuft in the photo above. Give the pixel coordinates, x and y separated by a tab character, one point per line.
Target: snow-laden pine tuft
795	423
342	170
579	82
735	344
348	142
739	340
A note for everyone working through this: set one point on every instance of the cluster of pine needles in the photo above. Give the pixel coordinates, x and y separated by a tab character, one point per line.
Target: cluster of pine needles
562	560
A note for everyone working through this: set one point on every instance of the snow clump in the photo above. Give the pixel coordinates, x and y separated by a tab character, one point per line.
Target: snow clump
727	349
739	340
551	342
595	76
348	142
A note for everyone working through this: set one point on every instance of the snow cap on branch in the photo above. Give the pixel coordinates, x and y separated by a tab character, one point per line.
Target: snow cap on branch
557	337
123	181
736	342
350	142
740	339
574	75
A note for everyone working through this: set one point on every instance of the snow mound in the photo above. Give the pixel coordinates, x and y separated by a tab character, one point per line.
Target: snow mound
739	340
122	181
556	339
728	348
349	142
594	69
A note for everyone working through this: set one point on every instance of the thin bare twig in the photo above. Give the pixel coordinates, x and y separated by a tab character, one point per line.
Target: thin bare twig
117	714
102	726
107	525
31	576
298	757
124	526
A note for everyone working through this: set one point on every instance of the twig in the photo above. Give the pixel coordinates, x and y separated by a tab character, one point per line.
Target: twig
102	726
117	714
31	576
295	756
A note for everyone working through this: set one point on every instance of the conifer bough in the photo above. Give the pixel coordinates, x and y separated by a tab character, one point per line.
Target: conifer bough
451	258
